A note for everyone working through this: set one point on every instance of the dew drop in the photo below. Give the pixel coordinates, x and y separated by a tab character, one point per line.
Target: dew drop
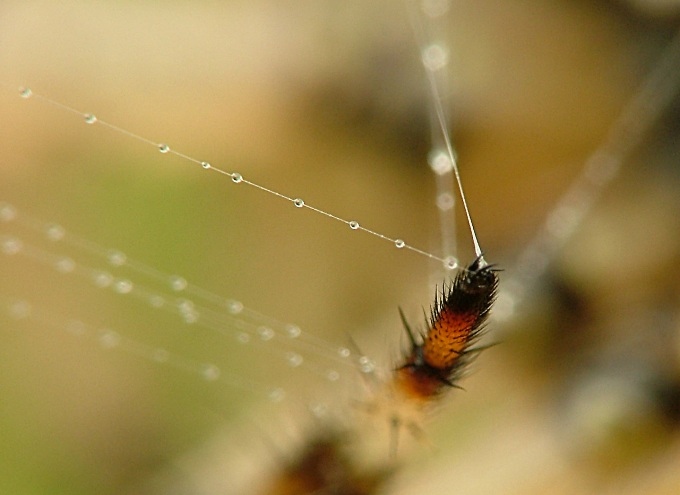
366	365
236	178
332	376
299	203
399	243
55	232
210	372
25	92
445	201
318	409
439	162
90	118
353	225
265	333
293	331
163	148
116	258
7	212
435	57
294	359
123	286
277	394
109	339
65	265
243	338
185	305
178	283
344	352
235	307
190	317
11	245
450	262
206	165
102	279
19	310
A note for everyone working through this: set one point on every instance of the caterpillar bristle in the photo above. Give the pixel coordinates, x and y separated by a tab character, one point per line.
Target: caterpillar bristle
456	323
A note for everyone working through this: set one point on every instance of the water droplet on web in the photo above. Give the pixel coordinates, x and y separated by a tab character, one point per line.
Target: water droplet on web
294	359
206	165
332	376
366	365
190	317
184	305
445	201
265	333
11	245
299	203
102	279
439	162
243	338
178	283
293	331
277	394
163	148
7	212
435	57
109	339
344	352
90	118
123	286
353	225
187	310
399	243
318	409
234	307
19	310
116	258
451	263
65	265
55	232
236	178
25	92
210	372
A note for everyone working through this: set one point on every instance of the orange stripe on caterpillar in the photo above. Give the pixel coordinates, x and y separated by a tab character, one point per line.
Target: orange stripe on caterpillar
456	323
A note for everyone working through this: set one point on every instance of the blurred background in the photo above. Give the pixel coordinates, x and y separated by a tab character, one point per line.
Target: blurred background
327	101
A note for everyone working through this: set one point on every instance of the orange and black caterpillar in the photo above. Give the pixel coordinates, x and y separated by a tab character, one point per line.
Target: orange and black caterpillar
437	358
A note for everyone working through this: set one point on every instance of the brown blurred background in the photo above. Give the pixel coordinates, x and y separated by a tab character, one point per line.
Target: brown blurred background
327	101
